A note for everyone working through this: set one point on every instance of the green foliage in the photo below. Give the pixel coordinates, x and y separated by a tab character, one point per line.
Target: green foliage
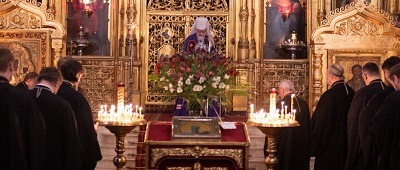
197	75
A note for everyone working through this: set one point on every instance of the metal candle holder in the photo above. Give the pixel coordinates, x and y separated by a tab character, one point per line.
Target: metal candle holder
81	41
293	45
120	130
272	131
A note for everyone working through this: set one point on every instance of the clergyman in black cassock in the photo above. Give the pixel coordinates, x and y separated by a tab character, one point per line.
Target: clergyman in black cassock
355	156
368	114
293	144
30	81
328	123
71	70
22	129
385	126
63	148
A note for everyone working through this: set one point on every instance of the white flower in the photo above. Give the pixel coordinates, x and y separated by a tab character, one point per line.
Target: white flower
179	90
222	85
191	76
170	85
197	88
171	90
165	87
188	82
202	79
216	79
226	76
180	82
162	78
214	85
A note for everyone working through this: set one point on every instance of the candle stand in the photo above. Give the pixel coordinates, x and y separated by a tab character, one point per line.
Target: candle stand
271	131
293	45
120	130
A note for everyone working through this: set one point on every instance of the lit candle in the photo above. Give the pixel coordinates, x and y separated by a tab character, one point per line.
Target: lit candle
251	108
294	115
291	101
140	110
285	110
282	105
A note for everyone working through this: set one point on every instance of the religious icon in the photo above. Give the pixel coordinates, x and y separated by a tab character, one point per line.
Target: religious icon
282	18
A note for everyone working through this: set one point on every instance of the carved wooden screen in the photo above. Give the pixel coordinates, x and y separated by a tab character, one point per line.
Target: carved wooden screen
273	71
30	32
168	24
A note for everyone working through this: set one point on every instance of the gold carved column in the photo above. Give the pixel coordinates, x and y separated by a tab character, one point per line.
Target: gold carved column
317	66
252	53
243	45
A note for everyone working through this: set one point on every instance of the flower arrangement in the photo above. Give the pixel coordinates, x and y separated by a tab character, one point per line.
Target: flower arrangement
195	76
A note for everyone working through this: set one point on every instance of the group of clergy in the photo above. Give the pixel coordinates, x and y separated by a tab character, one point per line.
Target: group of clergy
50	125
348	129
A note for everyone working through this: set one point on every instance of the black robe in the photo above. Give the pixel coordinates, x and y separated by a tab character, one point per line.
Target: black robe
355	156
22	85
63	148
385	128
22	133
364	122
84	120
328	136
293	144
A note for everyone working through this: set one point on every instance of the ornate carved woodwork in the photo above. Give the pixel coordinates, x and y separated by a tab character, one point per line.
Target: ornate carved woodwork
98	80
30	49
168	24
32	17
354	34
271	72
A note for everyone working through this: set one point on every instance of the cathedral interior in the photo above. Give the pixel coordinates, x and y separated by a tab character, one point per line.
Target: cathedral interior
122	41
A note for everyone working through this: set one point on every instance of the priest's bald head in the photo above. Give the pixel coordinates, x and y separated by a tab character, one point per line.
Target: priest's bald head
335	73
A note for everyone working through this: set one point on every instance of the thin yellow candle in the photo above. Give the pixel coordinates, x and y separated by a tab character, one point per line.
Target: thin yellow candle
282	105
294	115
291	101
140	110
136	109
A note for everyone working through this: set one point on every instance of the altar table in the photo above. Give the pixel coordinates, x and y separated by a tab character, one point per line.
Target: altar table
231	152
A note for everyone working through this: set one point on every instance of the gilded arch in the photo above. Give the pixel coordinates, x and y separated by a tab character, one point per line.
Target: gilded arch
355	33
32	19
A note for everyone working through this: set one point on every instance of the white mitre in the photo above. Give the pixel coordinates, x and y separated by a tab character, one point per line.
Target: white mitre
200	23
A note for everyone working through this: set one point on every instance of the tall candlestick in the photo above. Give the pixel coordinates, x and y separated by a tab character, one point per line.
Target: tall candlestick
136	109
294	114
272	100
140	110
251	108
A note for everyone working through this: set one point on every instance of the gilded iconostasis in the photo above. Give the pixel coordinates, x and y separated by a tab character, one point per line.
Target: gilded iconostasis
122	41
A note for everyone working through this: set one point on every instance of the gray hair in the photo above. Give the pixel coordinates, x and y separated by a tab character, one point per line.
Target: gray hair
287	85
336	70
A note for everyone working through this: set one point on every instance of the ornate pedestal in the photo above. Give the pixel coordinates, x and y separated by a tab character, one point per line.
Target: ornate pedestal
120	130
231	152
272	131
